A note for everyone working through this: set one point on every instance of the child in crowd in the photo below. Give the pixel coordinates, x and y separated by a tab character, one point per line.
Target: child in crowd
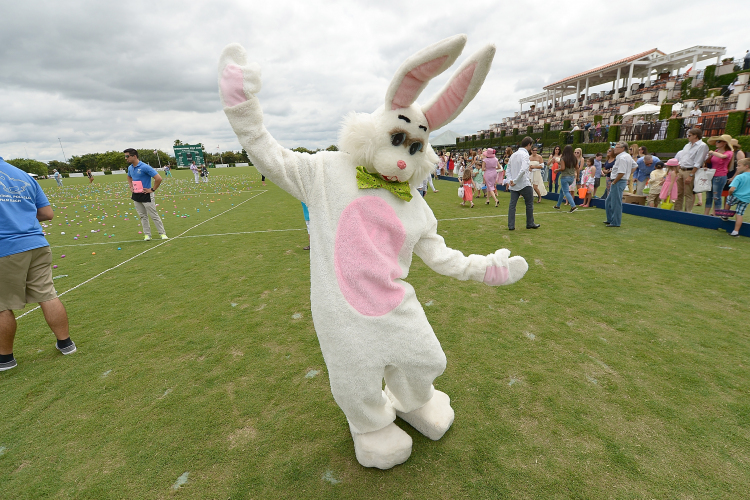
655	181
739	193
668	191
468	184
479	178
587	180
461	168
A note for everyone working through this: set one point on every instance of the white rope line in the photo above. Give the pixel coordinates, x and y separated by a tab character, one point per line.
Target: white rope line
51	200
188	236
519	213
146	251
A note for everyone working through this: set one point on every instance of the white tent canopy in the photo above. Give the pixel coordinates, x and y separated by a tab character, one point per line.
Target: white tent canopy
646	109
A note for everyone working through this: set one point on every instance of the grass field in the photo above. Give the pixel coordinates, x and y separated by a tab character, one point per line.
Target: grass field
617	368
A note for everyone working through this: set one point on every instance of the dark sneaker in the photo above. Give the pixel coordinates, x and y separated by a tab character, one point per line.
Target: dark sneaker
573	209
556	207
306	248
535	226
7	365
68	349
606	222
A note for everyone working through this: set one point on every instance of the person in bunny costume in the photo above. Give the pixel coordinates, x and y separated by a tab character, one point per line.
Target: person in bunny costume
367	220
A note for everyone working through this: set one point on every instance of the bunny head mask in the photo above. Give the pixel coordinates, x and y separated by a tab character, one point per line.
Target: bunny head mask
393	141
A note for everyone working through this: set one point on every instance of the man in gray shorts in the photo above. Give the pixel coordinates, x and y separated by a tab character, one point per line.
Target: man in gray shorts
25	261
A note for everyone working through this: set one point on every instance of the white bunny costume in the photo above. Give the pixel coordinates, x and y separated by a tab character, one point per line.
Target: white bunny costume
369	322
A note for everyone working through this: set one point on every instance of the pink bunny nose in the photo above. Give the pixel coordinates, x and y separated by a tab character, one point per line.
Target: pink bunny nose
401	164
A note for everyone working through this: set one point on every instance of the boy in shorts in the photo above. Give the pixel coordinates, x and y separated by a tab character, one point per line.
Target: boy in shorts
739	193
26	261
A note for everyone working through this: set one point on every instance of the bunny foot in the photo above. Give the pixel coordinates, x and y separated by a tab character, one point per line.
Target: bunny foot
384	448
434	418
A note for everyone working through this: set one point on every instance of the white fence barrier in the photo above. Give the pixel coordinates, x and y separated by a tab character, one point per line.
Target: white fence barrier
222	165
241	164
115	172
75	174
97	173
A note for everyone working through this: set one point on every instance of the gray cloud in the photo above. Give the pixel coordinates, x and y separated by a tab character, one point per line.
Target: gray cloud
105	75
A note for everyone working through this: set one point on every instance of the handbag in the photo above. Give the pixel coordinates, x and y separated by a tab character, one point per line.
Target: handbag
666	203
703	180
461	192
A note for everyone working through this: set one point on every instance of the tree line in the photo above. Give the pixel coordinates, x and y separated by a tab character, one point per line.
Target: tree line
115	160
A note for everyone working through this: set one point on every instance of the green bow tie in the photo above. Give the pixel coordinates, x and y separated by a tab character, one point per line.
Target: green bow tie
366	180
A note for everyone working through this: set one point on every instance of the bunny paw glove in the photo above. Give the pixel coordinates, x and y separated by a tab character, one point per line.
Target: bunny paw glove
238	79
504	270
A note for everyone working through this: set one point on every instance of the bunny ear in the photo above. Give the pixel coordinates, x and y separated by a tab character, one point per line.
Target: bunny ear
460	89
417	71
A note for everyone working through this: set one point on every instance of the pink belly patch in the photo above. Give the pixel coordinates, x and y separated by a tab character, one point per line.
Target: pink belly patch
369	237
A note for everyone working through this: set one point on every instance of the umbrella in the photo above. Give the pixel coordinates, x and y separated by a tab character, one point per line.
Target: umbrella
646	109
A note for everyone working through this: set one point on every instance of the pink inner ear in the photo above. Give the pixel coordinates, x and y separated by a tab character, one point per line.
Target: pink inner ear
450	100
409	89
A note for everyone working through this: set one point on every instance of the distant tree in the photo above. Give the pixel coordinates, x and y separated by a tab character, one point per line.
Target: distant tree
178	142
30	166
60	166
332	147
304	150
84	162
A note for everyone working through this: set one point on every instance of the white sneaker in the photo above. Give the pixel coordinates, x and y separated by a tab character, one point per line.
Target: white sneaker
147	238
164	237
384	448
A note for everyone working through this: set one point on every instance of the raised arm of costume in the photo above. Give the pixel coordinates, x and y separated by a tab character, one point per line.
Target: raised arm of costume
494	269
239	81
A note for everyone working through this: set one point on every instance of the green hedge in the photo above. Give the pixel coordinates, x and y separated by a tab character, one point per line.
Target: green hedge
735	122
578	136
614	133
515	131
685	85
502	133
562	138
665	111
597	119
529	129
566	125
546	128
673	128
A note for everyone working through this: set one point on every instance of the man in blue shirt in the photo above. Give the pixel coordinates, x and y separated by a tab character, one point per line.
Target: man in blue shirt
144	200
26	261
643	172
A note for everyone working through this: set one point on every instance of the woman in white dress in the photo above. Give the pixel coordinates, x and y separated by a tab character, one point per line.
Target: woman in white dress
536	164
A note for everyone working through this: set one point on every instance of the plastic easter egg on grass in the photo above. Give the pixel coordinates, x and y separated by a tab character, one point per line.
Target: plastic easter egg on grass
62	256
93	253
54	267
119	248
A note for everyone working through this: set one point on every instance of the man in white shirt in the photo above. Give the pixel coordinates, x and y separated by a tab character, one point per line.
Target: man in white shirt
692	158
620	174
196	172
520	185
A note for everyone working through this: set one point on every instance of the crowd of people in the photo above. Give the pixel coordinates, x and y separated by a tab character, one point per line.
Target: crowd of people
676	184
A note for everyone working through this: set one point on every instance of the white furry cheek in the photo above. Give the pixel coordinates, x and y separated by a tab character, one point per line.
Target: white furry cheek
386	162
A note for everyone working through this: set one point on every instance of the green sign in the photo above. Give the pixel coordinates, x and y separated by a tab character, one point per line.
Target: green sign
187	154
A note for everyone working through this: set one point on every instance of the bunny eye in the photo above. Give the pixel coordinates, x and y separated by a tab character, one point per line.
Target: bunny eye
416	146
398	139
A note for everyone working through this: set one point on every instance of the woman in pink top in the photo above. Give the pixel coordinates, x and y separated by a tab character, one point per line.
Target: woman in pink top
720	160
490	175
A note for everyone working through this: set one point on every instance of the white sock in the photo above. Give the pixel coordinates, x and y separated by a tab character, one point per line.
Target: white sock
735	233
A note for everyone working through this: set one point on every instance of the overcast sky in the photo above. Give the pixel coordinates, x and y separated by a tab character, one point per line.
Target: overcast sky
103	75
